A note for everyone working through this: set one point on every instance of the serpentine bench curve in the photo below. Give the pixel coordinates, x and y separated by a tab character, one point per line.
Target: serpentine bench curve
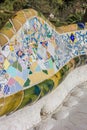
35	58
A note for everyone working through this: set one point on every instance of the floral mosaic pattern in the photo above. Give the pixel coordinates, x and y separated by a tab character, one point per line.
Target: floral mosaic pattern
37	42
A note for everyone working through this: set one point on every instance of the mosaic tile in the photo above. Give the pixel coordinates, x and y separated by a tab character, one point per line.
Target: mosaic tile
6	64
35	53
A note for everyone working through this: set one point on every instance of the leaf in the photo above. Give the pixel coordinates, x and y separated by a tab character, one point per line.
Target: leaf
30	72
17	66
45	71
27	83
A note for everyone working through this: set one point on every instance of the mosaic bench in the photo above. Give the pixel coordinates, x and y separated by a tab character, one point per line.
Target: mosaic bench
35	58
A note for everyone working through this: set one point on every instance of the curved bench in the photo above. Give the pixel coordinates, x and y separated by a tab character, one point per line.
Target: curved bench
35	59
